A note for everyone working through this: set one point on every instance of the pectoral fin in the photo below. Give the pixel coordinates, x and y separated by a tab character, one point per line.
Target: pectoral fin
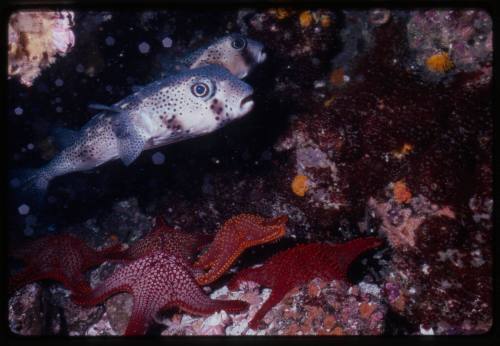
130	141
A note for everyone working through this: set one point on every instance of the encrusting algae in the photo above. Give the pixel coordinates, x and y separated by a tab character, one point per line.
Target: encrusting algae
305	19
405	150
440	62
401	192
281	13
299	185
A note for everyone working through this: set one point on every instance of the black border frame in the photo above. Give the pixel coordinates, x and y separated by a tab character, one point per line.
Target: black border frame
8	6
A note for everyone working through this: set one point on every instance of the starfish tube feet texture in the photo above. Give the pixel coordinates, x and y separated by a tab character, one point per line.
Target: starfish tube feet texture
299	265
236	235
158	282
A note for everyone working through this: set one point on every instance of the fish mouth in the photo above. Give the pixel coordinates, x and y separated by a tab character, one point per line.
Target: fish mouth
246	104
242	74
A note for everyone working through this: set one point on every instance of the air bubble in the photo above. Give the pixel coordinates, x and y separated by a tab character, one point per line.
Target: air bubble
167	42
158	158
144	48
18	111
23	209
110	40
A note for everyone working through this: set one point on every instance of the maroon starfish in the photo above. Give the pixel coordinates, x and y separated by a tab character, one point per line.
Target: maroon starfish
62	258
167	239
299	265
157	282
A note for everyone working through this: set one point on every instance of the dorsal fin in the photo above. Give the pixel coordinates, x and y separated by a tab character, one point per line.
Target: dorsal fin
101	107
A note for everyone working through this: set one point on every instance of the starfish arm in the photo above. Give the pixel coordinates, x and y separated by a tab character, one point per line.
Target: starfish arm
209	306
206	260
140	319
220	266
24	277
192	299
354	248
202	241
197	272
277	221
276	296
78	284
112	285
112	253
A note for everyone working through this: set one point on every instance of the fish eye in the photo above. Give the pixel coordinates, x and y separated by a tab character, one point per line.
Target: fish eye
239	43
200	89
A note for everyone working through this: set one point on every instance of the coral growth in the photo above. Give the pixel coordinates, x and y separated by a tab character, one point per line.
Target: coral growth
439	63
401	222
299	185
36	38
465	35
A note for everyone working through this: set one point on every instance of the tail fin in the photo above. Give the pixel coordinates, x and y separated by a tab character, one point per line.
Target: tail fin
30	183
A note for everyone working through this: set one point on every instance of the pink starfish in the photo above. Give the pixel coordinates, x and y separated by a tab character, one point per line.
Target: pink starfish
158	282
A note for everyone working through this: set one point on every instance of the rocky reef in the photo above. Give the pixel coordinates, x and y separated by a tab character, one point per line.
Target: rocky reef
366	123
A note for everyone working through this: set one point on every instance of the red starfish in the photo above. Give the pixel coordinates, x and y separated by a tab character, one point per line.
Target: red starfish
158	281
299	265
236	235
167	239
62	258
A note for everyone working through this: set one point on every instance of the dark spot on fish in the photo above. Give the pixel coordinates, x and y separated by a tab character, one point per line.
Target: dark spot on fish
85	154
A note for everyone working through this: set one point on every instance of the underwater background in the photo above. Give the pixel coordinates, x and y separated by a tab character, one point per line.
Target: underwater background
366	123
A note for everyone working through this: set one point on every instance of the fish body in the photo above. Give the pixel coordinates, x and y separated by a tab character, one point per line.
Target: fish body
188	104
235	52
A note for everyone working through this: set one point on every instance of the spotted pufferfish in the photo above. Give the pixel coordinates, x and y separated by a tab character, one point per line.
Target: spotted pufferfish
235	52
201	98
